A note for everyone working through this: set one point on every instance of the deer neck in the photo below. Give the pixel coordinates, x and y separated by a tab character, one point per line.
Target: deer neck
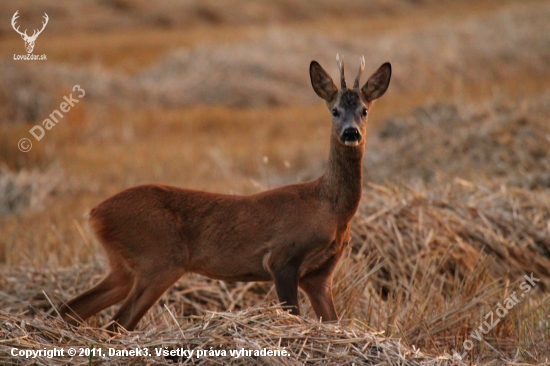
342	182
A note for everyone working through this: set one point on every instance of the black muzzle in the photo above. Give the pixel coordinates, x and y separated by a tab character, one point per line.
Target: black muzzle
351	136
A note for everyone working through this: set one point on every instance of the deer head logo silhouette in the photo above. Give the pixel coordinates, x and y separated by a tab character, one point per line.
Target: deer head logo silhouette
29	40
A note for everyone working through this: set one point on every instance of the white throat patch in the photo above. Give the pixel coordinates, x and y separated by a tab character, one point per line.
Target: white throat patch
351	143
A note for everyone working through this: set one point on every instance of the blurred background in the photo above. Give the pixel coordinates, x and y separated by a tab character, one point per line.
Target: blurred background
216	96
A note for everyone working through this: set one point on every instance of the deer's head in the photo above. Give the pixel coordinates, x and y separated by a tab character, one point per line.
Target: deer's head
349	107
29	40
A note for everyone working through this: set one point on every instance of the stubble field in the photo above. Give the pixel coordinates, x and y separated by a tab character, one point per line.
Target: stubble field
456	201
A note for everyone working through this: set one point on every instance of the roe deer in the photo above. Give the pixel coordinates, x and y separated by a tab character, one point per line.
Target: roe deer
294	235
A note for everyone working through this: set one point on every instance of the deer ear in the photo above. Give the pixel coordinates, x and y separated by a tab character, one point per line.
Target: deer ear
321	81
378	83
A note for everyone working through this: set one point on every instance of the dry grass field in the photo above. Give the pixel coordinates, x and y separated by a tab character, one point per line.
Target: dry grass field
216	96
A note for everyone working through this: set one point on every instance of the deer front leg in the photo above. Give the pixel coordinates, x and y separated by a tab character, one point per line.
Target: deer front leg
286	284
318	287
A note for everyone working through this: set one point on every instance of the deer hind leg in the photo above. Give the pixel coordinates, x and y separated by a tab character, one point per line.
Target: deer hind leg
318	287
147	289
112	289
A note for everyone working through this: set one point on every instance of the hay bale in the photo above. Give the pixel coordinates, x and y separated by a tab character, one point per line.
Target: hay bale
501	142
252	332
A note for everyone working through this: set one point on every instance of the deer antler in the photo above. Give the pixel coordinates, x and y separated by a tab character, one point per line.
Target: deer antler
35	34
341	67
361	68
13	20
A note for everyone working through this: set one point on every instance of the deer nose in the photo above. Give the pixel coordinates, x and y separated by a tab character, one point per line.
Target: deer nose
351	136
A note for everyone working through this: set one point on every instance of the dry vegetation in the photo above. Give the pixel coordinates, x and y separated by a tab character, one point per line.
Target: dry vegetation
456	203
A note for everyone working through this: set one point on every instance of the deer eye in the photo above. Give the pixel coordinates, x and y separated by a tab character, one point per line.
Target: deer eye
364	113
335	113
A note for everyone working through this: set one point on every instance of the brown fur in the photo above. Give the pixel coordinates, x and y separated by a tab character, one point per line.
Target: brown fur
294	235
